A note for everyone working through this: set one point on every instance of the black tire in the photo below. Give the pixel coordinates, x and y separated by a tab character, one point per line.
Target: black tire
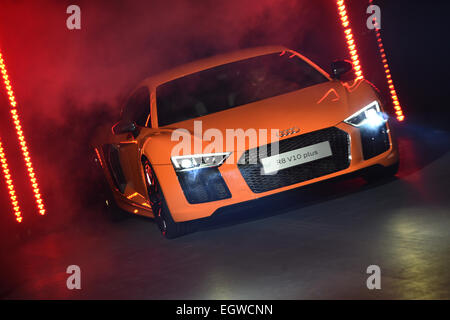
106	196
379	174
168	227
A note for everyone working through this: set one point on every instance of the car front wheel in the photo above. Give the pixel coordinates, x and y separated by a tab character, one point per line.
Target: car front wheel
168	227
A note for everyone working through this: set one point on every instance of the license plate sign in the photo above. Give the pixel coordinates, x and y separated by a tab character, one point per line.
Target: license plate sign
285	160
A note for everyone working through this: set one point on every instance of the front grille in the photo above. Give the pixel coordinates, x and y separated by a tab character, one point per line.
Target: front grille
250	165
374	141
203	185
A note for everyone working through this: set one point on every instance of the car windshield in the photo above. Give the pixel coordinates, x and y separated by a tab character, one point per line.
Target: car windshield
233	84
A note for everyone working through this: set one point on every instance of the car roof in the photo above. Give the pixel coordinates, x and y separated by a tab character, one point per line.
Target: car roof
207	63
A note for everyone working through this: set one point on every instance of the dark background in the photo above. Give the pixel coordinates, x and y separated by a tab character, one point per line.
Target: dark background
67	82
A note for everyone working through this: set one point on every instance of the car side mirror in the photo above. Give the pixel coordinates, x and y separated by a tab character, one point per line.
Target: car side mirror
125	126
339	68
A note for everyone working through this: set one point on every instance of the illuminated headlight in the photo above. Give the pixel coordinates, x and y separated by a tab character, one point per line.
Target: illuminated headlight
369	116
199	161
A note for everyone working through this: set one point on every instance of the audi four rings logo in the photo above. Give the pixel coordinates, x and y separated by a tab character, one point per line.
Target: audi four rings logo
287	132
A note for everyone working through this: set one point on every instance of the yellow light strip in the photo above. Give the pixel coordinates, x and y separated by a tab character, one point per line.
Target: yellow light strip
351	44
10	185
20	136
390	83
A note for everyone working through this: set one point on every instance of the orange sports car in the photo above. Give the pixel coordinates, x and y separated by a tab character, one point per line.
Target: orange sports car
237	127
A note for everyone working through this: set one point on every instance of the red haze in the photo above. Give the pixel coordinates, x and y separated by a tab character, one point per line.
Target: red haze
68	81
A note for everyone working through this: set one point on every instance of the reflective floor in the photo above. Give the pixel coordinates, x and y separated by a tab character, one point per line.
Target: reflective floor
306	244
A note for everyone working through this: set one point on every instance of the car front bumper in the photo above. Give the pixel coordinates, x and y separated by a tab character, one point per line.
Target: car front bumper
362	153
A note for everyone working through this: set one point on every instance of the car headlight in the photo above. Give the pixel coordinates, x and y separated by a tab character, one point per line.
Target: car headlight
199	161
370	116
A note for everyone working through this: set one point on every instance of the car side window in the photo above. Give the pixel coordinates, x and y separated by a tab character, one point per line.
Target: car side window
137	108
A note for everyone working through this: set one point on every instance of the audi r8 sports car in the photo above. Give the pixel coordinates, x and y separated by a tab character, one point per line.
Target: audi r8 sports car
321	126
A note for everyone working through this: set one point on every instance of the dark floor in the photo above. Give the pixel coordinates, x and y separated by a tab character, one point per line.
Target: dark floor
306	244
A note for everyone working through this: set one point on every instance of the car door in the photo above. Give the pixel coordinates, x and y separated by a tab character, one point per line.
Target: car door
126	152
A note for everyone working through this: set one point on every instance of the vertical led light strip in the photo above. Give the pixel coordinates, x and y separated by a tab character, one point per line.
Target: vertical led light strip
387	71
10	185
22	142
351	44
